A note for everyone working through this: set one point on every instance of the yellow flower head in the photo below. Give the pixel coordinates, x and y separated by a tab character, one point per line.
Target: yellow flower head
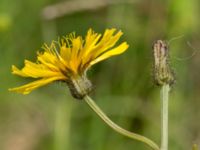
68	60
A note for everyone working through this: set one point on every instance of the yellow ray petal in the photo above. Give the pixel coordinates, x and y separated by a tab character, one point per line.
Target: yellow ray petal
18	72
107	34
39	70
52	62
65	52
26	89
116	51
76	47
48	60
106	43
90	41
34	70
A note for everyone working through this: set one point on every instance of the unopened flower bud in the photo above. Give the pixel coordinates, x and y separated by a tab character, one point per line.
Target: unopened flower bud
163	74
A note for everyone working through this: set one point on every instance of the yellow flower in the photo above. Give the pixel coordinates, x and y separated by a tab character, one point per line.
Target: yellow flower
68	59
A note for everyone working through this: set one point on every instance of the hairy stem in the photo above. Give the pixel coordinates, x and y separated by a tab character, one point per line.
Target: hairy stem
117	128
164	116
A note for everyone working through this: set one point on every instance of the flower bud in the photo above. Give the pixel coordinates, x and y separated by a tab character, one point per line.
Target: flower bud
163	74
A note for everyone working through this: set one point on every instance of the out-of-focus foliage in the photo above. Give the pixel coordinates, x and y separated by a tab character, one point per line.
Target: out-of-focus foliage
49	118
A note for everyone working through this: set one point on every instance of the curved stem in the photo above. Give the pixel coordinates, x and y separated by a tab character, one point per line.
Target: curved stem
117	128
164	117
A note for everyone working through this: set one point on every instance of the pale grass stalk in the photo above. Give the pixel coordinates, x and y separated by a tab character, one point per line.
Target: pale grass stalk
63	114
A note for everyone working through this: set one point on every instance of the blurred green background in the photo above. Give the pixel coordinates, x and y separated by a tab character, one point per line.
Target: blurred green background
50	119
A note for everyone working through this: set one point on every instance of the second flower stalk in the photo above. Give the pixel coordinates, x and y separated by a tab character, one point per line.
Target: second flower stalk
163	77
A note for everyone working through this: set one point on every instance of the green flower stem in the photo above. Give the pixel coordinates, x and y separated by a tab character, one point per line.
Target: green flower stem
164	116
117	128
